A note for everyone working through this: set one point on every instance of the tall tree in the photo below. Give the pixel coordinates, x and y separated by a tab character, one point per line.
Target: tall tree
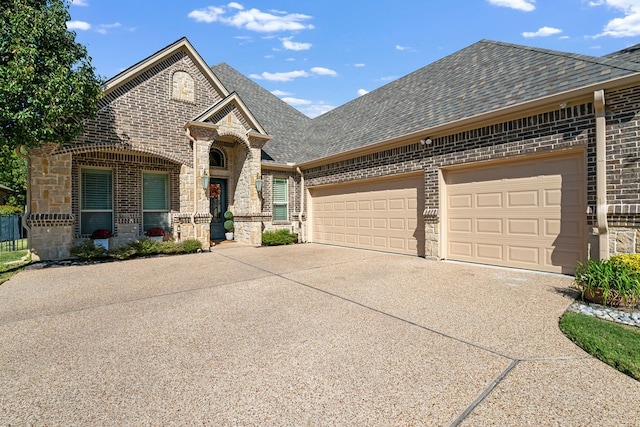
13	174
47	83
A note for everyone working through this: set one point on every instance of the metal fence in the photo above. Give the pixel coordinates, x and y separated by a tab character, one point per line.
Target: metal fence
13	236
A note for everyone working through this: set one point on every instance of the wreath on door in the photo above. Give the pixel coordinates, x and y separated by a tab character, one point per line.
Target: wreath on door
214	191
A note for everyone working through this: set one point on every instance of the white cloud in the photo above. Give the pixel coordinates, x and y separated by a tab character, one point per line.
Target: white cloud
362	92
278	92
314	110
524	5
209	14
628	25
290	59
401	48
387	78
542	32
358	65
79	3
296	101
253	19
289	45
321	71
104	28
280	77
78	25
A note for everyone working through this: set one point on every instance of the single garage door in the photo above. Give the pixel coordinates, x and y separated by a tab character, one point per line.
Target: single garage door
380	215
526	214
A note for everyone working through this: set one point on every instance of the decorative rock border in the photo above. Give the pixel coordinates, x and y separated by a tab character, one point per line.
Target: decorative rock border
630	317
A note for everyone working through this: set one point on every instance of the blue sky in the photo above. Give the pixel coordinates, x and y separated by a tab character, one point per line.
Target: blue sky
319	54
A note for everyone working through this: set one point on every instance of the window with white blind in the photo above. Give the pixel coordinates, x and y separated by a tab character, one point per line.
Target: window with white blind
280	199
155	200
96	200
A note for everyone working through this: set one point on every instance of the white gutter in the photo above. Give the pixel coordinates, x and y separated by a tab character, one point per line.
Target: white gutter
27	208
195	182
601	175
302	236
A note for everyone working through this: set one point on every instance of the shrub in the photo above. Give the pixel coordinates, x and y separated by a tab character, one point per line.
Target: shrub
278	237
190	246
88	250
633	260
616	281
123	252
145	247
7	210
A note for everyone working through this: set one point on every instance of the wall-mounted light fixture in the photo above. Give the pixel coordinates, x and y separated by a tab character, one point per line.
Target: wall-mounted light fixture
426	141
258	183
204	179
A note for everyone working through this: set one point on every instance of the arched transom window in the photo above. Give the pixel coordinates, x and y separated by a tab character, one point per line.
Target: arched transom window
216	159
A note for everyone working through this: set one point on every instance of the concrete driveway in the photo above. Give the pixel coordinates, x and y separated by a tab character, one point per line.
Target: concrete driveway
297	335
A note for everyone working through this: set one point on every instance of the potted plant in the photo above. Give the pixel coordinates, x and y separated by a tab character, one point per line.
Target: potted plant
101	237
228	225
156	233
613	282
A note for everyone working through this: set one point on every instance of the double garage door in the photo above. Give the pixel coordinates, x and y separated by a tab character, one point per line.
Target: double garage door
380	215
525	214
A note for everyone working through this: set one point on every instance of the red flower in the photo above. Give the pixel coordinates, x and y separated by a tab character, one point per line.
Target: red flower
101	234
155	232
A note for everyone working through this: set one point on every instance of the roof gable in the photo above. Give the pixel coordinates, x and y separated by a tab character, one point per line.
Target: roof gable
231	103
148	63
279	119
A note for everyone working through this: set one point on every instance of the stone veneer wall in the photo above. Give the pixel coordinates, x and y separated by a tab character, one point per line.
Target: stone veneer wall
550	131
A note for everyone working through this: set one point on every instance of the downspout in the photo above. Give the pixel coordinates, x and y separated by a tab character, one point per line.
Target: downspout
195	182
27	208
302	235
601	175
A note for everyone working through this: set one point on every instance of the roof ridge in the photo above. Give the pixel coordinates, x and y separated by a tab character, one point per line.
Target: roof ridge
599	60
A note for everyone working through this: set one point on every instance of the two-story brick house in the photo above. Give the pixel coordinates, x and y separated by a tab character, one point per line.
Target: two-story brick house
498	154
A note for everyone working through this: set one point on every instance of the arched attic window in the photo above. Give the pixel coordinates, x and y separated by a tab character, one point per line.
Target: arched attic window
216	159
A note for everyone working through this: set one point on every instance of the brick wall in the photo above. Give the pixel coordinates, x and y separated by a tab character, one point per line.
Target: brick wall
557	130
127	185
142	114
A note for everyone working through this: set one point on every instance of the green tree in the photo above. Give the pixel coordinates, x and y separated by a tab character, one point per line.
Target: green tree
13	174
47	83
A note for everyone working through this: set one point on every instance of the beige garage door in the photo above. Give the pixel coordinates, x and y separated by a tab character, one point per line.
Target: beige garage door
380	215
526	214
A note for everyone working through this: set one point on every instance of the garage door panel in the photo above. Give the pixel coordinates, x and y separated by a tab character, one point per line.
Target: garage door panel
522	199
364	205
379	223
488	200
488	225
461	225
380	215
460	201
524	254
522	226
488	251
461	250
528	213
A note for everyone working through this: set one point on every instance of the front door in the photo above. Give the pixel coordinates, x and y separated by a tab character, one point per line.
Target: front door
217	206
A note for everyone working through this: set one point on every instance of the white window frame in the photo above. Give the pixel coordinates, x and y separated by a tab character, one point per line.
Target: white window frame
284	203
83	211
167	200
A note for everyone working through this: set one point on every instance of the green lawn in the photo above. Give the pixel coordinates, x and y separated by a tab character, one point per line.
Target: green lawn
8	246
8	270
616	345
